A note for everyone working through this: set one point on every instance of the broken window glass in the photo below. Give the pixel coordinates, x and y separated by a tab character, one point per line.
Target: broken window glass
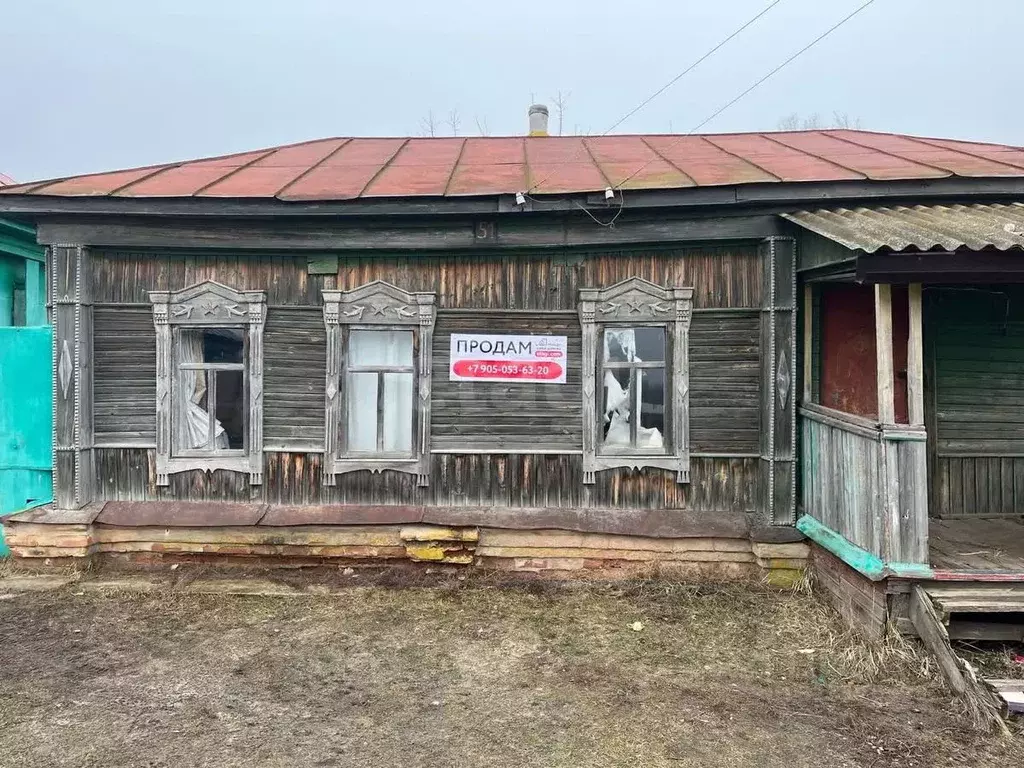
633	377
209	390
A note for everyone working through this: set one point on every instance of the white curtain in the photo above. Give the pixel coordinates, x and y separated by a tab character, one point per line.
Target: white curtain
383	348
192	422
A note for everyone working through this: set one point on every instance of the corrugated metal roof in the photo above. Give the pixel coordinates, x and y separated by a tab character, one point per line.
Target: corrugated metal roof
924	227
347	168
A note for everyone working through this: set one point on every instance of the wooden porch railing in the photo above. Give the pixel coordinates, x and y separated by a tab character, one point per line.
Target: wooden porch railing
867	481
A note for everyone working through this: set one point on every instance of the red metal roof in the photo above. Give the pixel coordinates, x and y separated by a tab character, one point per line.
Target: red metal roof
347	168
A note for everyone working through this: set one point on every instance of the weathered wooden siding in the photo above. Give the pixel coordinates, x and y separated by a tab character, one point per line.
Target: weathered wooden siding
817	252
503	415
725	382
975	345
127	278
124	387
535	292
972	486
506	480
294	376
841	487
722	276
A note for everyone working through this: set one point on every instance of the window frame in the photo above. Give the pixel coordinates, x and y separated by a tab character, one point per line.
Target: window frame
209	305
637	303
377	306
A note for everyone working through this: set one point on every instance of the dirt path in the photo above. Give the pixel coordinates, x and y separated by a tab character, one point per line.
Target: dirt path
463	675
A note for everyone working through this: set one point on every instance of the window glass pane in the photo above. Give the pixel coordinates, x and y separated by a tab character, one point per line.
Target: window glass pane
362	411
619	345
651	434
616	410
650	344
230	413
626	345
222	345
398	399
379	347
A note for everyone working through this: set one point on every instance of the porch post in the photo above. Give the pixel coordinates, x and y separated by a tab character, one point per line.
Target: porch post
915	358
883	353
71	298
902	471
914	454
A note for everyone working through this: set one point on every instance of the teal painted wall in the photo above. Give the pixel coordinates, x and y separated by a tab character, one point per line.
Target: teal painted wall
26	419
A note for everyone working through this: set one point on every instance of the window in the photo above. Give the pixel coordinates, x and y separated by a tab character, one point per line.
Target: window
378	380
380	375
635	377
208	391
209	380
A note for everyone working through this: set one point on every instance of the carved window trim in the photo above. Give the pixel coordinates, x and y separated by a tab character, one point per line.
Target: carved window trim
211	305
377	306
631	303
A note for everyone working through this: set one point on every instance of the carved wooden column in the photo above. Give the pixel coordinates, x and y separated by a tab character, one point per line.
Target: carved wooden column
778	380
71	298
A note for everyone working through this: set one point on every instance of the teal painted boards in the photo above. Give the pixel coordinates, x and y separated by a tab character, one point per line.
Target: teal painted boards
25	417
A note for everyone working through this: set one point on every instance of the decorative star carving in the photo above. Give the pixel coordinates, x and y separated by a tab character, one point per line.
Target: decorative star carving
636	306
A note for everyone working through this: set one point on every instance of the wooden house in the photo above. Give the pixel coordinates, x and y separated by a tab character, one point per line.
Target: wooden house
537	353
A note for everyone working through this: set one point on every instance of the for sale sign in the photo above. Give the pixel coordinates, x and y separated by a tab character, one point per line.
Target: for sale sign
492	357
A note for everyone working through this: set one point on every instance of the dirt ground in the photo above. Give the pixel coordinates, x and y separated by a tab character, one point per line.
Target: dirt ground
467	673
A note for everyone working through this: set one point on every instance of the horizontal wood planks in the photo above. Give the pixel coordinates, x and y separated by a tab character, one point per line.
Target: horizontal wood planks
725	382
124	383
294	376
511	480
506	416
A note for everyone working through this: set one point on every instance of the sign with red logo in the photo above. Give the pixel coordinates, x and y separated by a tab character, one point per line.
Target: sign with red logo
492	357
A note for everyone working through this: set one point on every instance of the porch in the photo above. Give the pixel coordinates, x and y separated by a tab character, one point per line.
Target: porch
912	417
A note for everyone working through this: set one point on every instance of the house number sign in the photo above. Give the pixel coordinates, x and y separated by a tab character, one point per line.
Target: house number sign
493	357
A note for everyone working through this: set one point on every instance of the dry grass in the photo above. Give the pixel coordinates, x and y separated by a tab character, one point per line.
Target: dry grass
473	672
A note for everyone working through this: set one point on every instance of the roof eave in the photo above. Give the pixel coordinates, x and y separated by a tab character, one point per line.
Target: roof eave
784	194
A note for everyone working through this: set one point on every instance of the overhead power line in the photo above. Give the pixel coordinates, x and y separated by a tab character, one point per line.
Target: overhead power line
756	84
668	85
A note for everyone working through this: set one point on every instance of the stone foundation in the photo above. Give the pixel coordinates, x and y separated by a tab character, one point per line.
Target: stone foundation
545	551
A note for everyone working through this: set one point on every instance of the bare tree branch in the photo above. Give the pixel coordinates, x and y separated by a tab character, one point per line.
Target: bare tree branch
428	125
454	122
560	102
481	127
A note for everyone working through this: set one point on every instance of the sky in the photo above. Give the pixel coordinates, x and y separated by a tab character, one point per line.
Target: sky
94	85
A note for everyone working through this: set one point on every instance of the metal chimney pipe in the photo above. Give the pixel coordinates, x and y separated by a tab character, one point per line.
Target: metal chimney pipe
538	120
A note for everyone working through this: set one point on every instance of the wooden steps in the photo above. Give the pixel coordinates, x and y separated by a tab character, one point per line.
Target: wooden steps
977	598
